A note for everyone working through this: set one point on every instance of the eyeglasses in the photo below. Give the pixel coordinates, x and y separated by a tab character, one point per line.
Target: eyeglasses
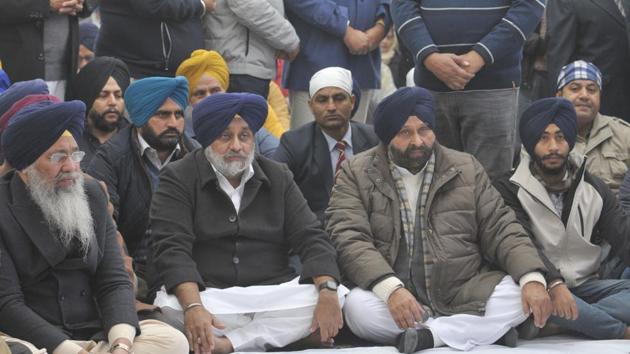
60	157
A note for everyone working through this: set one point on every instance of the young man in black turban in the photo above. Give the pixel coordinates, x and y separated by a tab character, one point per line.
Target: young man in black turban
101	85
435	253
570	214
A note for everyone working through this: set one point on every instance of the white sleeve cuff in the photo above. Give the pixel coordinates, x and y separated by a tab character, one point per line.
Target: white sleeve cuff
67	347
121	330
532	276
204	8
386	287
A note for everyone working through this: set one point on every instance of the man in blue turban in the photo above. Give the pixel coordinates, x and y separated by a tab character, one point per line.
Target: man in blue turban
432	248
14	93
575	219
59	247
236	215
129	163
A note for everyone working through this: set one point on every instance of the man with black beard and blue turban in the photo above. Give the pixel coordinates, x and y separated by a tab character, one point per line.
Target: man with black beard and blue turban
130	162
576	221
434	252
63	286
223	221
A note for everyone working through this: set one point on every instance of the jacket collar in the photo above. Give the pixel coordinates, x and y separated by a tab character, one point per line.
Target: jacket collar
321	157
31	219
600	132
524	178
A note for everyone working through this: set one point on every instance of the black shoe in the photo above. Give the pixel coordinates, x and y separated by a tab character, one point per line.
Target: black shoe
527	329
509	339
413	340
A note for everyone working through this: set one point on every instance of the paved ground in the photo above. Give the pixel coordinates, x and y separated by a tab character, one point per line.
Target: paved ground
549	345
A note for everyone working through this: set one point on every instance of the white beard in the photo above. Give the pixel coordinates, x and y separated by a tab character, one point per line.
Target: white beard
229	169
66	210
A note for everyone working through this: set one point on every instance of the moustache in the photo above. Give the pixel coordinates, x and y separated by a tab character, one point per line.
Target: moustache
552	155
170	131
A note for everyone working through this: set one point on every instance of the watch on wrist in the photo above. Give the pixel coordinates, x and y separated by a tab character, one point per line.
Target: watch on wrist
122	346
328	284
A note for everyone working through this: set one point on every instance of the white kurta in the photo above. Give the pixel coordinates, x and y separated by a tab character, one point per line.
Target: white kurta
259	317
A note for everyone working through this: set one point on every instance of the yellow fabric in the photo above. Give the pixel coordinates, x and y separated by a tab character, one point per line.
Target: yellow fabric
272	123
279	104
66	133
204	62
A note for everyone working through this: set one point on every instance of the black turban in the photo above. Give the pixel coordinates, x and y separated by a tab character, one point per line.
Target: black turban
89	82
543	112
37	126
212	115
87	35
394	111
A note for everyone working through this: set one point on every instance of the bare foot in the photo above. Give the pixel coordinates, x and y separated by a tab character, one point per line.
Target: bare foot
222	345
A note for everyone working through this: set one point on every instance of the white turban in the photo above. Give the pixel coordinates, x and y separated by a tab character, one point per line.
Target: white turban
333	76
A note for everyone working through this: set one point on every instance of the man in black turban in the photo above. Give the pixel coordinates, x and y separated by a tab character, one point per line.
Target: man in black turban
428	241
235	215
101	85
575	219
63	286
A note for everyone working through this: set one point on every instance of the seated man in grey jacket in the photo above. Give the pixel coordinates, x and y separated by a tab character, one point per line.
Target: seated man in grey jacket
434	252
570	213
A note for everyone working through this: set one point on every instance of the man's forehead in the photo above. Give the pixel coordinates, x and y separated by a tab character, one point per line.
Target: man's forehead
552	128
413	121
111	85
64	143
169	104
330	91
583	82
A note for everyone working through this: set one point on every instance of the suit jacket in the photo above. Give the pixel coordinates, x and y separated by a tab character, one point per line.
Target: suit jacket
595	31
47	297
305	151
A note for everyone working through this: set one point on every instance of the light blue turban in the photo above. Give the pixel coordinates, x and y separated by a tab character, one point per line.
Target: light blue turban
144	97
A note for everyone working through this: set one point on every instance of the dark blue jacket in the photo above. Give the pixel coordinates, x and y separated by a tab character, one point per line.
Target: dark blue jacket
321	25
496	29
151	36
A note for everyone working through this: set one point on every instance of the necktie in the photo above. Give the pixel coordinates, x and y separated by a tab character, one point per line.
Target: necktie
341	148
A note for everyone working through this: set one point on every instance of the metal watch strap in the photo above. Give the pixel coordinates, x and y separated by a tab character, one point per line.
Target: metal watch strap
122	346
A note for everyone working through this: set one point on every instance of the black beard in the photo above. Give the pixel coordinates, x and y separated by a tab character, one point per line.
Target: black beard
99	122
403	158
551	171
160	142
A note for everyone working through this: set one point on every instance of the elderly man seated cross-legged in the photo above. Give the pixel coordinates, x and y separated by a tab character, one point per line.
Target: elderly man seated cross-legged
63	286
223	220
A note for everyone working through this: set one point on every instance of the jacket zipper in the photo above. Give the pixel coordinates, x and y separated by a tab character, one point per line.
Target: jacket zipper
581	220
247	42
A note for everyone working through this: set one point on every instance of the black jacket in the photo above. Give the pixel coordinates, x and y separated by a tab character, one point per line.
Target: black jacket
595	31
151	36
118	163
199	237
47	297
22	39
305	151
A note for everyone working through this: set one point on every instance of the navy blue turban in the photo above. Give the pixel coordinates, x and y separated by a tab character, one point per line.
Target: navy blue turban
144	97
543	112
394	111
19	90
37	126
4	81
89	82
212	115
87	35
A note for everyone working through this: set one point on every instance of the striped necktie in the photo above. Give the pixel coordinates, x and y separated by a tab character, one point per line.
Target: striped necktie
340	146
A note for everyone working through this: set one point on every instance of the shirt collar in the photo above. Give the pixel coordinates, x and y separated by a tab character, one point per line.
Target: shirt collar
347	138
246	176
145	148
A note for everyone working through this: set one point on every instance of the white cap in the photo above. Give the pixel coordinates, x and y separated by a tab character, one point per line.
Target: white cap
333	76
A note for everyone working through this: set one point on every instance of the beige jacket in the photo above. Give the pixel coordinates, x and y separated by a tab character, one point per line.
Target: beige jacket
474	236
607	150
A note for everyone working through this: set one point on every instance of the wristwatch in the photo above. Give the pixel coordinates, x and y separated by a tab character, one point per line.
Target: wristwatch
328	284
122	346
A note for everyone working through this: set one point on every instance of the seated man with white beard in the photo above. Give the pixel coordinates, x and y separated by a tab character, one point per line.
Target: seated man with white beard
223	220
63	286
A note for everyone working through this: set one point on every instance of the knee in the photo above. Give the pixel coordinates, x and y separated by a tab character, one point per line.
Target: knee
368	317
160	338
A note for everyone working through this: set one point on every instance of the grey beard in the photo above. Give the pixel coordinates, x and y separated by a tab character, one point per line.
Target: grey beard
228	169
66	210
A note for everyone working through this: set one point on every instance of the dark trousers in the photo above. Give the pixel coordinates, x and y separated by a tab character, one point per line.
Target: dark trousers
247	83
